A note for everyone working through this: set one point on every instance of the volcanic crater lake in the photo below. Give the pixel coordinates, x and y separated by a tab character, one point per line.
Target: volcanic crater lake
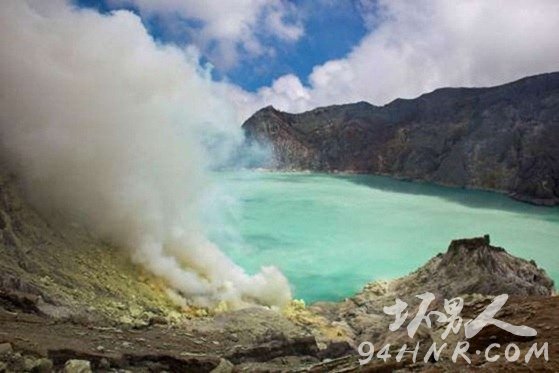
331	234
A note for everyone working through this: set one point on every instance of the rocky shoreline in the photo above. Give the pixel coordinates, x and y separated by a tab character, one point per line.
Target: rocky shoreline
500	138
321	337
71	303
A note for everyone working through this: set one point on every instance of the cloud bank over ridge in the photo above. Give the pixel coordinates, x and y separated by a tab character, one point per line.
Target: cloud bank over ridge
417	46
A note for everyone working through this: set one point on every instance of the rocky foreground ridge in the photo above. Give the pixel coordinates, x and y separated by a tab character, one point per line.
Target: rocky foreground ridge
503	138
68	302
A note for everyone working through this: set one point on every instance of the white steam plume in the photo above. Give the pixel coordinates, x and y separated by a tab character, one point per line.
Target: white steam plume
108	126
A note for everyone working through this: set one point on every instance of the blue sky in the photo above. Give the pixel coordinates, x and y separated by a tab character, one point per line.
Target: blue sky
331	30
330	33
297	55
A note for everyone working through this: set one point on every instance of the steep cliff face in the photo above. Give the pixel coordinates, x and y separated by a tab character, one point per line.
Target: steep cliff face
502	138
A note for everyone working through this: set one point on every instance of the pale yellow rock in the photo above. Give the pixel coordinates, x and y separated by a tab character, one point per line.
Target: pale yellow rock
224	366
77	366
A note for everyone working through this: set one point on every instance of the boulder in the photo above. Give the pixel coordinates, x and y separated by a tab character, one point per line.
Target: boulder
77	366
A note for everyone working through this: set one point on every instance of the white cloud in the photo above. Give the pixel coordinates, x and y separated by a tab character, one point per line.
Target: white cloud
417	46
112	129
228	30
275	21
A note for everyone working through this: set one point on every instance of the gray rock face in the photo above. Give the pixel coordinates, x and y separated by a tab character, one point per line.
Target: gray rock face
503	138
473	266
470	268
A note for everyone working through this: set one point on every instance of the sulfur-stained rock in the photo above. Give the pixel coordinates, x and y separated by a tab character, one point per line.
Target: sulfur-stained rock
225	366
77	366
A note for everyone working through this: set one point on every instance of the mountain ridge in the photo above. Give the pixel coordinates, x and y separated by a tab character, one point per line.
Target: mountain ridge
503	138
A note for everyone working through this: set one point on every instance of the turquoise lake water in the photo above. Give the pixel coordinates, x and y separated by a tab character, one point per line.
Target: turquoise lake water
331	234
